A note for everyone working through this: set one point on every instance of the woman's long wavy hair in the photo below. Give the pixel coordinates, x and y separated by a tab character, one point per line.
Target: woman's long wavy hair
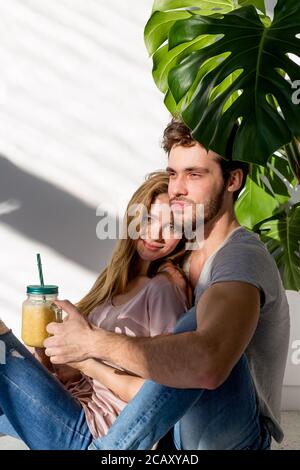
122	268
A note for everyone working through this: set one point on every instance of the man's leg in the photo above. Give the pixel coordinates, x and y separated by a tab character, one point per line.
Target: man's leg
40	410
224	418
156	409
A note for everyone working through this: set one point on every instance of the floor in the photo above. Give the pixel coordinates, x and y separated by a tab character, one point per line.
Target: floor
290	423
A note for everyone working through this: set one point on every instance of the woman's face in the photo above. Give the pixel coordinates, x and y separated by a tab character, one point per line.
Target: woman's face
158	237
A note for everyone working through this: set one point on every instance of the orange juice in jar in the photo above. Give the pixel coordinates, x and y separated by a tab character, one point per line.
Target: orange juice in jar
37	311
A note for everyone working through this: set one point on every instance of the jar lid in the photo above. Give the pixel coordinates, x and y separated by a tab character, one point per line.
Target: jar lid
42	290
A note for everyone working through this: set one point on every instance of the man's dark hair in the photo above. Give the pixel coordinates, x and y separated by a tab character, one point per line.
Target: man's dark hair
177	133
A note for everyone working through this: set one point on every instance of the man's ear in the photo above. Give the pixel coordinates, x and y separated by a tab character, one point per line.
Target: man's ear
235	180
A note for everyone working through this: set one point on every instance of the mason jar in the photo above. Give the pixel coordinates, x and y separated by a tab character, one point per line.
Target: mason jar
37	311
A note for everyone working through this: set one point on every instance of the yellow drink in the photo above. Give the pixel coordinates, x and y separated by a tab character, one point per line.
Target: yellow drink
37	311
35	318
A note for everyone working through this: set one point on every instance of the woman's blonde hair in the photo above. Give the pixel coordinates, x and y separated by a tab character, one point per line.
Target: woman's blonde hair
121	269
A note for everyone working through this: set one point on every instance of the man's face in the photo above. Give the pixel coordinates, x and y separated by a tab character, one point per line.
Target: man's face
195	178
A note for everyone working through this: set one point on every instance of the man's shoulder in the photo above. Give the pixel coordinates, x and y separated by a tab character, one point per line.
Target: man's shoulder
246	254
243	241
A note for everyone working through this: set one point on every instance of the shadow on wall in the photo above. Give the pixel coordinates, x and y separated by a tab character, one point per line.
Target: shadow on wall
43	212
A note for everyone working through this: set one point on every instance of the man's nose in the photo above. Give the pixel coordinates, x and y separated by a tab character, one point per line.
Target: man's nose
178	187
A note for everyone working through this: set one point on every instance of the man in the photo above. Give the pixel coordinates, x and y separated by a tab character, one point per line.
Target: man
219	378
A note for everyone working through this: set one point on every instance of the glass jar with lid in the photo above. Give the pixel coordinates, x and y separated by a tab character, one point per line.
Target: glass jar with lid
37	311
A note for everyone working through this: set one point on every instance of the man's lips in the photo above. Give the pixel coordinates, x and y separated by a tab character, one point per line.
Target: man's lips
180	203
151	246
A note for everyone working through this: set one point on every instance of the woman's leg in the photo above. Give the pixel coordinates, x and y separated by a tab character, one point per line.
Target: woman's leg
40	410
6	428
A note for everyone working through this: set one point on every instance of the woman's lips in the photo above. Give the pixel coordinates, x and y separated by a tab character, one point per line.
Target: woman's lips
151	247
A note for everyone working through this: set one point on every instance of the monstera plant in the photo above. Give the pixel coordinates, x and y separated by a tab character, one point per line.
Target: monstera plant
222	62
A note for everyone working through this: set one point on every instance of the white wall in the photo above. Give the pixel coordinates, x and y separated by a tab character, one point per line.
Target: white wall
291	390
80	125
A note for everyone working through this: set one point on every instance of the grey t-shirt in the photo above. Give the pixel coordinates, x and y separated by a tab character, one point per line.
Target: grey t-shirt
243	257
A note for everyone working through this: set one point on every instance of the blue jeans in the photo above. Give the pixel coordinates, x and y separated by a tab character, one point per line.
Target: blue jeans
225	418
34	405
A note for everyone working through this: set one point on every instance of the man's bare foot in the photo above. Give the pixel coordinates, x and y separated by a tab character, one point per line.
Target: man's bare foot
3	328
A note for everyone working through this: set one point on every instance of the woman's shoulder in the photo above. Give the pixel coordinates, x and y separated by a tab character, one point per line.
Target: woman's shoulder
173	275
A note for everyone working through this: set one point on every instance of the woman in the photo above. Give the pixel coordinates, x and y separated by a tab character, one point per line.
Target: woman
142	292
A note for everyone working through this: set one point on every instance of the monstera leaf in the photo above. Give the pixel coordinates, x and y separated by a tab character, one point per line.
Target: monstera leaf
282	238
293	154
267	191
202	54
206	7
164	14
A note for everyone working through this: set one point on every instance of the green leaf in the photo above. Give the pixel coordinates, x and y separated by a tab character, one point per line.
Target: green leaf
282	238
166	12
211	6
259	4
256	50
157	28
173	107
267	191
254	205
164	60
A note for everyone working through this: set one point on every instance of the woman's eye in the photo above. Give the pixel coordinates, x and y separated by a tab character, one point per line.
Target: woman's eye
146	219
170	229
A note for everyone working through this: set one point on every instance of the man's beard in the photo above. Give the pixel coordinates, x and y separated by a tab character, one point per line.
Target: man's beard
213	206
195	218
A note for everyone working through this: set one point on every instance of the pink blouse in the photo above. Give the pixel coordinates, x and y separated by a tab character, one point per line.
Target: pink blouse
152	311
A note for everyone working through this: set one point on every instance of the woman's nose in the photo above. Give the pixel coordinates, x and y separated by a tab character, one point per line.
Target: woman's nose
155	232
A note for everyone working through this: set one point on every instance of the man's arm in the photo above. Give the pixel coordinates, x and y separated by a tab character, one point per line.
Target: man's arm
227	316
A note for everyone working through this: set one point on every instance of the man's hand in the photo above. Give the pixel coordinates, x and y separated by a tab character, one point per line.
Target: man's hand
71	339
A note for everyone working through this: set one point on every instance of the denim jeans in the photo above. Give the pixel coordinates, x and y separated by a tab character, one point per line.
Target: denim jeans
225	418
34	405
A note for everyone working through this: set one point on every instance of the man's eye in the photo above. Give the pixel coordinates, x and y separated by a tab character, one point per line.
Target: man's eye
195	174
